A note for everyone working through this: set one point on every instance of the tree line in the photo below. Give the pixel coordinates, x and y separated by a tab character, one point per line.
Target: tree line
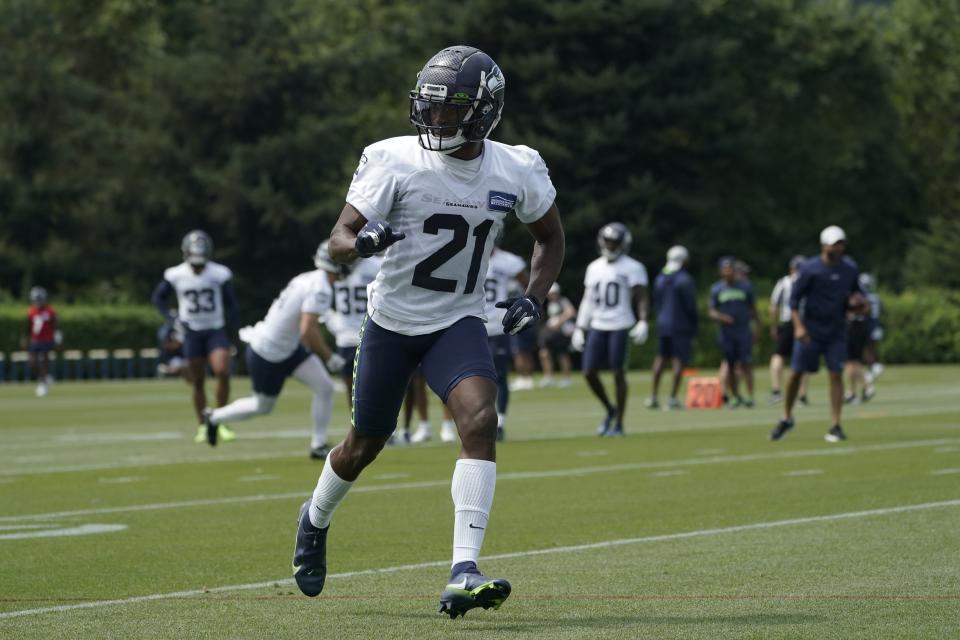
730	126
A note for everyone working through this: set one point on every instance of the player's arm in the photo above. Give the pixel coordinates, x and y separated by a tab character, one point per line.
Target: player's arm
231	310
312	337
715	314
343	238
356	237
548	250
159	298
797	293
641	301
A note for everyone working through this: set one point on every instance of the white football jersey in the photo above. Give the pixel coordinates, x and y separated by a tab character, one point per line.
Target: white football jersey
199	295
502	268
350	300
276	337
608	293
450	211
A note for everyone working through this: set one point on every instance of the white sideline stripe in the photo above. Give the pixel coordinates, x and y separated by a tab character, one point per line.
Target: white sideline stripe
502	556
514	475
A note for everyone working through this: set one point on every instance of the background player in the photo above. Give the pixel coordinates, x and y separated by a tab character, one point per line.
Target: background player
554	337
675	297
206	304
614	304
819	302
42	337
733	308
288	343
875	335
781	330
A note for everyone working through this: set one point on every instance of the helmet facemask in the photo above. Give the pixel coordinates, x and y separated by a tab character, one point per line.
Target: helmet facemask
614	240
197	248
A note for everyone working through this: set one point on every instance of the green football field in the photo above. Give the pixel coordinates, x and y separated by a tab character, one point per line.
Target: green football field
114	524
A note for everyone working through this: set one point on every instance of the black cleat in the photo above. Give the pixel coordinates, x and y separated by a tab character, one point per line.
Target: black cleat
835	434
804	402
310	554
467	591
781	429
319	453
615	432
211	428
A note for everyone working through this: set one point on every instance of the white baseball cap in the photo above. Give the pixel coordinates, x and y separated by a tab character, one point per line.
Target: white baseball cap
832	235
676	256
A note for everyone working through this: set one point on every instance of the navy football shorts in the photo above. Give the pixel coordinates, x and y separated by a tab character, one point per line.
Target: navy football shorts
806	357
737	347
678	347
386	360
605	350
268	377
348	354
200	344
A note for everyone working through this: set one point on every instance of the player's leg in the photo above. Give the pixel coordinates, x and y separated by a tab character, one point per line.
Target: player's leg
745	358
459	368
546	364
834	353
348	354
805	360
659	362
219	360
416	399
681	350
500	351
617	353
313	374
594	356
382	367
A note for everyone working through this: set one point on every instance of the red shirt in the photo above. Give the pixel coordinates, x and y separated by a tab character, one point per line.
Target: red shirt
43	322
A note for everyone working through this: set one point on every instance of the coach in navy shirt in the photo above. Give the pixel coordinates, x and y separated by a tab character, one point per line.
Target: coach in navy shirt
819	302
675	298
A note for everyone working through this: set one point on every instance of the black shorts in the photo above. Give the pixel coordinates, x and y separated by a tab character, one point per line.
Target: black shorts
554	341
858	334
267	377
784	339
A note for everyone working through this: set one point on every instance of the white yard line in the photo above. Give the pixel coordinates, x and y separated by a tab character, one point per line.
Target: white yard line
507	476
503	556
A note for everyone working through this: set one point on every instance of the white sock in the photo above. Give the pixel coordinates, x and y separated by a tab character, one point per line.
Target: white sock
448	425
425	425
330	491
313	374
243	409
501	419
472	490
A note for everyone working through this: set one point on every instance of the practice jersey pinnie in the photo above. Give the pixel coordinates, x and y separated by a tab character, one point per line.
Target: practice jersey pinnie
608	290
450	211
199	295
276	336
503	267
350	302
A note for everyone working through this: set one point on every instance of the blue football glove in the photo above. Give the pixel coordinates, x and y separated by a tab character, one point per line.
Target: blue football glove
375	237
521	313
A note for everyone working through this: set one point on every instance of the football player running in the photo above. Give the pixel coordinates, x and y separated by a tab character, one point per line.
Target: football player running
614	306
287	343
205	305
436	200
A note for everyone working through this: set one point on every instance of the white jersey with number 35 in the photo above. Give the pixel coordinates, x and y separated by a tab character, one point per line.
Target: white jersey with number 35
350	300
608	292
504	267
450	211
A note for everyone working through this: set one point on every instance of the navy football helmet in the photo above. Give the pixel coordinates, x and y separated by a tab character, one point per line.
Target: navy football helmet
38	295
197	248
614	240
458	99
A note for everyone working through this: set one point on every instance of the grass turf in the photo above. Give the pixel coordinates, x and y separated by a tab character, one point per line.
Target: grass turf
692	526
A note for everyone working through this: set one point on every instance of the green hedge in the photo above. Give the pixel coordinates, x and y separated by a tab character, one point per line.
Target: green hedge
88	326
921	326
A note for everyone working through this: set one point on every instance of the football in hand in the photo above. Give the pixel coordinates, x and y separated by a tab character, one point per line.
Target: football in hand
857	302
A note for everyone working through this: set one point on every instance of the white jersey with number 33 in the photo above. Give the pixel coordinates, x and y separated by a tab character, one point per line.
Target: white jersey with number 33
450	211
608	292
199	295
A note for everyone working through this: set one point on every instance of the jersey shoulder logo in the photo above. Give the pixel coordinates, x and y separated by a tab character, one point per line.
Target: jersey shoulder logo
500	201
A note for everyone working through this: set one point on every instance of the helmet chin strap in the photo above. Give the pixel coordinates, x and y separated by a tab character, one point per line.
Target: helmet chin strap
445	146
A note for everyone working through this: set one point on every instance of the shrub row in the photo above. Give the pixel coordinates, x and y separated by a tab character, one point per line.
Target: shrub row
921	326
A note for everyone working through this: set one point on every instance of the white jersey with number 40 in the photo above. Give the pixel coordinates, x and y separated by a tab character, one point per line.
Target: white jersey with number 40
276	337
350	300
450	211
608	293
199	295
